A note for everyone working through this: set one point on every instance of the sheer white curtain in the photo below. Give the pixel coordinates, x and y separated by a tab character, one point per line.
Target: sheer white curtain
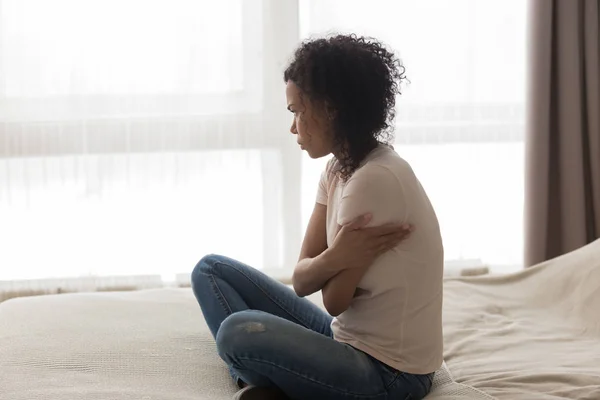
460	120
138	135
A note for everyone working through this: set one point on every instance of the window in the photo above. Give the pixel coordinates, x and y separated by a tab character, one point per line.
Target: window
69	59
137	136
134	136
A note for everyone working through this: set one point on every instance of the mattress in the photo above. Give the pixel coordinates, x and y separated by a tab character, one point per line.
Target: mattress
530	335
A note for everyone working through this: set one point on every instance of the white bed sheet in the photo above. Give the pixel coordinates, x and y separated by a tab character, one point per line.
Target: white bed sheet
146	345
531	335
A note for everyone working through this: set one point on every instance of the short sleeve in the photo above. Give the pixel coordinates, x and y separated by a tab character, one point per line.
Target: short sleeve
375	190
322	190
324	182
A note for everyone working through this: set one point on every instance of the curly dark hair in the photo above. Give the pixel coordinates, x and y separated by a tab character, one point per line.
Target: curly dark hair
359	79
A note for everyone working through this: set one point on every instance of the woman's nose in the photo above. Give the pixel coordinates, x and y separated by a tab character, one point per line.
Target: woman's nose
293	128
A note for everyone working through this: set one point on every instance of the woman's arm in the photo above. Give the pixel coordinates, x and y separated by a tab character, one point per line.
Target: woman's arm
342	266
378	192
314	269
318	263
339	290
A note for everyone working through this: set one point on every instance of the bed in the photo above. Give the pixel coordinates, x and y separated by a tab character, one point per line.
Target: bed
530	335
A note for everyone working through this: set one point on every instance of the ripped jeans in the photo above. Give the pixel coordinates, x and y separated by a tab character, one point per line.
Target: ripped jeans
267	335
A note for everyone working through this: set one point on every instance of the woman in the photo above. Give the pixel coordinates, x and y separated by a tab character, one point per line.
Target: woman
380	279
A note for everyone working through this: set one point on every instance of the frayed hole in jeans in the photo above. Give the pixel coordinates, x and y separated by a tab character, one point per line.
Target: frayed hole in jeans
252	327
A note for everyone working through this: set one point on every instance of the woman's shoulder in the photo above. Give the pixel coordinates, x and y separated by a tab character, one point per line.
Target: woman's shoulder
384	162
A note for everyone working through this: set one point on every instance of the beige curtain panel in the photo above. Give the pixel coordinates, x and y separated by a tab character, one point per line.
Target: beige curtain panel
562	192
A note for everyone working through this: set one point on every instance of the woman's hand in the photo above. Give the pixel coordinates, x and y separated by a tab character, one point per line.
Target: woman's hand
356	246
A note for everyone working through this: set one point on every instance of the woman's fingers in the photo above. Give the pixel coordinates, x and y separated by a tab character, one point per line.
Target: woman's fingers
395	241
380	239
389	229
387	246
395	236
359	222
382	244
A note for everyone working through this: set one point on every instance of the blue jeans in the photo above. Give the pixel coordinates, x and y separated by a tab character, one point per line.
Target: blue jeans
267	335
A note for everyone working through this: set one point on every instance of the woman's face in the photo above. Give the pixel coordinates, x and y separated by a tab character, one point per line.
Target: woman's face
311	124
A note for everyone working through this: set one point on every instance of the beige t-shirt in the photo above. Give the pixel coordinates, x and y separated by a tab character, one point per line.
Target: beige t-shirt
396	313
